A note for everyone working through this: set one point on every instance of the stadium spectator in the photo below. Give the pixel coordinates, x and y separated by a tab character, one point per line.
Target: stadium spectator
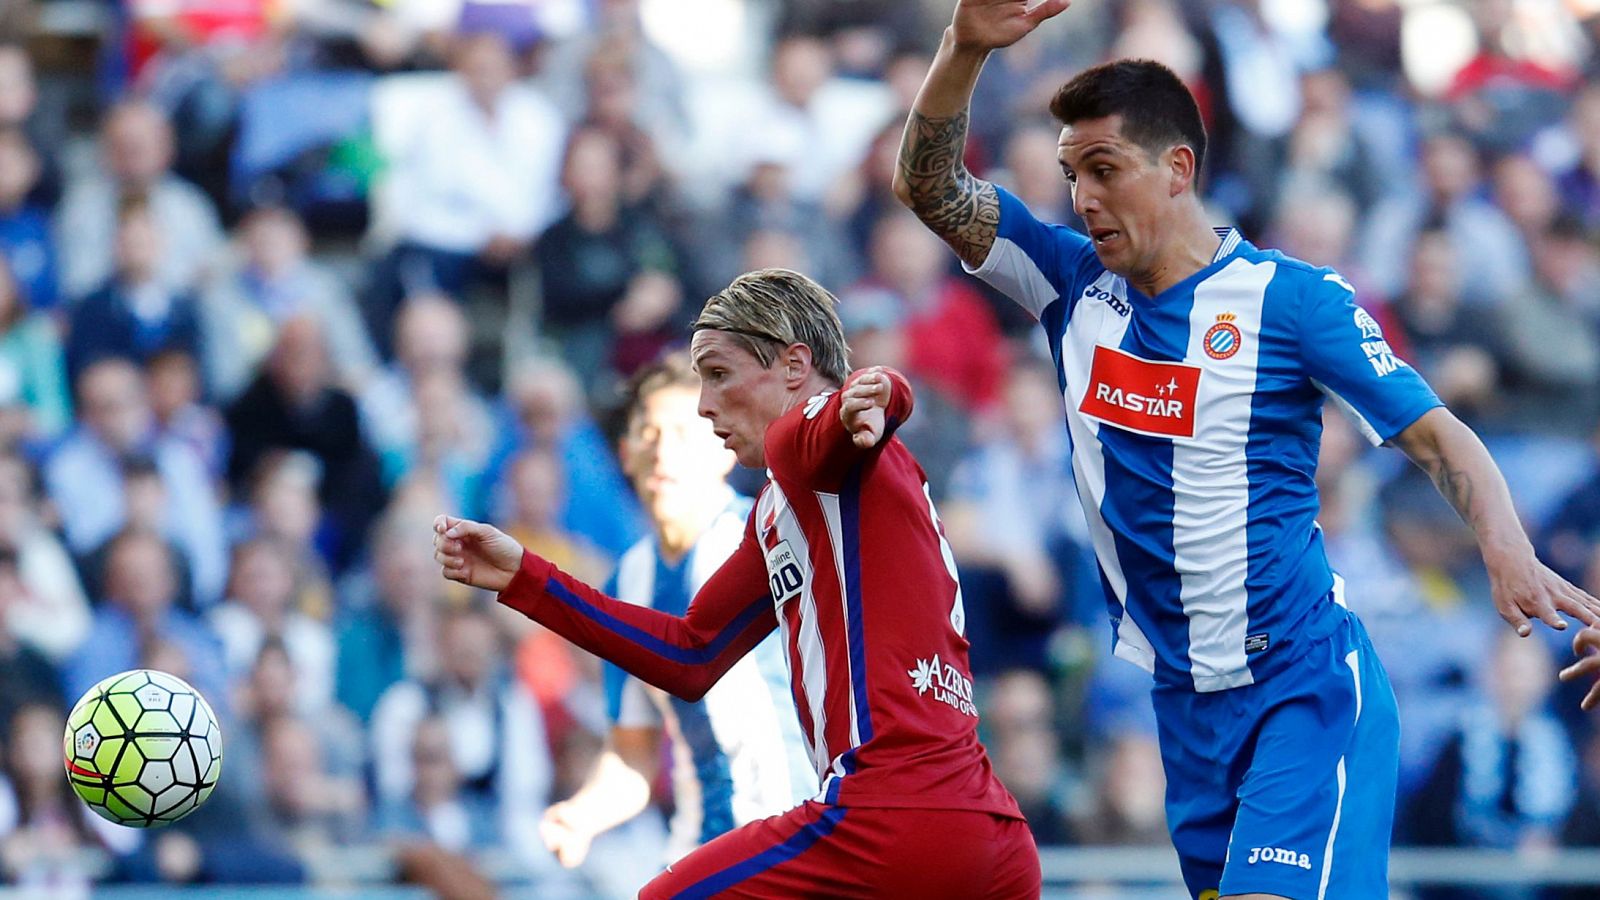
536	490
1492	260
177	404
134	314
84	475
389	635
44	127
26	243
953	341
766	199
832	118
472	184
271	688
1012	524
304	805
140	607
137	148
261	608
1328	146
144	499
1456	345
1525	191
1548	337
53	614
1508	778
44	830
295	404
545	409
497	736
430	345
614	312
34	405
940	433
1127	808
269	280
1577	157
26	671
439	808
1516	81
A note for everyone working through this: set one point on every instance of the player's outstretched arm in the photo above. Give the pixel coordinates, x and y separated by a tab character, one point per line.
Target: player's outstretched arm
682	655
1586	644
1524	588
930	176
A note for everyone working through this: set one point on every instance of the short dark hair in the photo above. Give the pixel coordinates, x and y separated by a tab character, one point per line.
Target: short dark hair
671	370
1157	109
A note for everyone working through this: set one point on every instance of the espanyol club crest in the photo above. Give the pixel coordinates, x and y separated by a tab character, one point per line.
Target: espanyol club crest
1223	339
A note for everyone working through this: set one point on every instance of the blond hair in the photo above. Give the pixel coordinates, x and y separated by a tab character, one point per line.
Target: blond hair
768	309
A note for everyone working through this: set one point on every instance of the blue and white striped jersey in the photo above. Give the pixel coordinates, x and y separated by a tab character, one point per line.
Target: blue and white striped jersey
1195	419
738	754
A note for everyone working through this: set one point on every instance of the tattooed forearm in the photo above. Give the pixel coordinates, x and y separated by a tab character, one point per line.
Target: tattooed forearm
1455	485
958	207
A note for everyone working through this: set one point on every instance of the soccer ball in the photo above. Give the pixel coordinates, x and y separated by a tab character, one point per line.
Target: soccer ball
143	748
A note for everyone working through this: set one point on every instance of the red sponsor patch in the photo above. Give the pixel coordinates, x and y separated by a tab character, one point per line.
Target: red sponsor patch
1155	398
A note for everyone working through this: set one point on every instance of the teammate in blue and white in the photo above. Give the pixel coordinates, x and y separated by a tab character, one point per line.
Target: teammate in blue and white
738	755
1194	367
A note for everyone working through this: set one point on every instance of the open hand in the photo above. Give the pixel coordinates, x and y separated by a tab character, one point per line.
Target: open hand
862	405
474	553
1586	644
1525	588
993	24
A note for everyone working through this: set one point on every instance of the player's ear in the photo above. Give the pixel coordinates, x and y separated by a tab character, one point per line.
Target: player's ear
1181	166
796	362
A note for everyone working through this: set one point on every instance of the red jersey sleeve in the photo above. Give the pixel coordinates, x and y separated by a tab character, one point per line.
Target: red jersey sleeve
810	443
682	655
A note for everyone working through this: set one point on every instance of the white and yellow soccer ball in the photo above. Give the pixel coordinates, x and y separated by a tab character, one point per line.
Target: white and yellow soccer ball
143	748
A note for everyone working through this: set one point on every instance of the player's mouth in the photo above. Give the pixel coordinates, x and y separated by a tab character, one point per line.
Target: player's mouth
727	437
1103	236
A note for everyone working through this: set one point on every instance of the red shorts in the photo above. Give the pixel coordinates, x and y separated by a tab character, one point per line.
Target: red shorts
816	850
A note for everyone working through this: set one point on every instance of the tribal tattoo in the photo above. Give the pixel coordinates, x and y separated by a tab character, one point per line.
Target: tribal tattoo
955	205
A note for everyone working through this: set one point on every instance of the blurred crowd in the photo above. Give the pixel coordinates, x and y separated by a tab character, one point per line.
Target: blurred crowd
279	281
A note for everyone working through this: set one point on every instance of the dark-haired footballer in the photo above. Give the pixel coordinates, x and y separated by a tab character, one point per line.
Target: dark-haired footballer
1194	367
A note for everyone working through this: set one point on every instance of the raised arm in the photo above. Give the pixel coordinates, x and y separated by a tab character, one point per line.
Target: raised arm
930	176
1460	466
682	655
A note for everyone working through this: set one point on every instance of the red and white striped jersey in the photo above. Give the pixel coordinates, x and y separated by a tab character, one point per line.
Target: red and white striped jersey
844	554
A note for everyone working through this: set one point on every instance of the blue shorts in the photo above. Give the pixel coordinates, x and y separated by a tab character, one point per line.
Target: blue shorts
1286	787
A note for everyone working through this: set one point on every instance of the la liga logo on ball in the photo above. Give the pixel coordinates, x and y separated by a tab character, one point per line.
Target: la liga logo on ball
1223	339
143	748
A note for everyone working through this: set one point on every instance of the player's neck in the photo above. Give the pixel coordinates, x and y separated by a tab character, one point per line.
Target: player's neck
1192	248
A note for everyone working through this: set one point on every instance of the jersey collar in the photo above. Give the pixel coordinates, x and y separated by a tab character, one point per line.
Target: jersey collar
1231	240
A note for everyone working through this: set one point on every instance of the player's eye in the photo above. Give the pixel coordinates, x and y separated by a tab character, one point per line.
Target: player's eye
1102	172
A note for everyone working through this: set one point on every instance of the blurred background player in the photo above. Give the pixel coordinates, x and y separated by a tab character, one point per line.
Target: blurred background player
737	754
844	553
1194	366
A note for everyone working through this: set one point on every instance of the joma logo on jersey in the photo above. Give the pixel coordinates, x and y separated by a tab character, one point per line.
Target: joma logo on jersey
1095	292
1279	855
947	683
1155	398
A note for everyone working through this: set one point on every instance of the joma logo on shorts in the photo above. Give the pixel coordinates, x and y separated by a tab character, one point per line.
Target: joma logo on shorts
1276	855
